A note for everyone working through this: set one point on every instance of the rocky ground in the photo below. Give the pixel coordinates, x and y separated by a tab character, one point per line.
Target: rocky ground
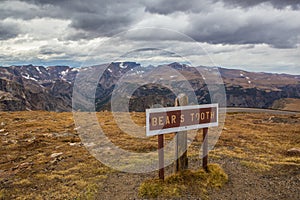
282	182
42	158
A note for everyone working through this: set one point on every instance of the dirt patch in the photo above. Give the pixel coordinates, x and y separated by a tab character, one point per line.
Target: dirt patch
42	158
245	183
282	182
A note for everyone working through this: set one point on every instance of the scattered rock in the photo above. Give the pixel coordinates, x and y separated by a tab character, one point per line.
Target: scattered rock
59	135
75	144
55	155
47	135
257	121
12	142
54	161
22	166
77	128
274	119
25	165
2	130
3	124
289	120
243	141
30	139
271	118
65	135
293	152
90	144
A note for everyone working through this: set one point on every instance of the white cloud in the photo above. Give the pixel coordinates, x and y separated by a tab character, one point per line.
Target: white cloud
263	36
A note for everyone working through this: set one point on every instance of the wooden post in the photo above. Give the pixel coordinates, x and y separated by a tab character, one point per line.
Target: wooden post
181	140
161	172
205	149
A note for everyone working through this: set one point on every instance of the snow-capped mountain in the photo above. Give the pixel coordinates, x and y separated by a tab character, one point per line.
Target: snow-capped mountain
50	88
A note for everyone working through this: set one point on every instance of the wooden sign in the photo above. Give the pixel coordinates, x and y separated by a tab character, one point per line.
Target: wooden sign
175	119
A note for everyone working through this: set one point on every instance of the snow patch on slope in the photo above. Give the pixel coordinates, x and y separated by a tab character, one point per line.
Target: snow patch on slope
26	76
38	69
121	65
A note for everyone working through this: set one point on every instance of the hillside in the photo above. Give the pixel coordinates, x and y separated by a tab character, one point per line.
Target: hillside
288	104
50	88
42	158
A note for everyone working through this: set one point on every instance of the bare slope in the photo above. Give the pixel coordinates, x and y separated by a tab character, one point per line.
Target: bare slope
29	87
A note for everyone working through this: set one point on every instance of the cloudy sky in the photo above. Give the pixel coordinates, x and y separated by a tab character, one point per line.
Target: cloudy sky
255	35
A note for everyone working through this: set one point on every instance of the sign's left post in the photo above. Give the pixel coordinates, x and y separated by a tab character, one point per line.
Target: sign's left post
161	172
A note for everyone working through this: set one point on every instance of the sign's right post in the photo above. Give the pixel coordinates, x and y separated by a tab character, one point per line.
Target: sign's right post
205	149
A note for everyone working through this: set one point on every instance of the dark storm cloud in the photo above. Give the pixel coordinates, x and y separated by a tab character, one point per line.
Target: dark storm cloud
148	49
295	4
234	25
102	24
162	52
94	17
48	50
8	31
227	29
170	6
26	10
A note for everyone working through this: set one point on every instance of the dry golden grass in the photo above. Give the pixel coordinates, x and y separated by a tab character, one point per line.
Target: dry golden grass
292	104
289	104
27	169
258	141
188	181
28	139
128	142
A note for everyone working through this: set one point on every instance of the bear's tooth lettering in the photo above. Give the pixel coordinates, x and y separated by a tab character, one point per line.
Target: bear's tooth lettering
212	115
181	118
160	120
154	121
173	119
168	120
202	116
185	118
192	116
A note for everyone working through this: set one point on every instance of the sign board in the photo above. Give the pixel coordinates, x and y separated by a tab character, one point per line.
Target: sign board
175	119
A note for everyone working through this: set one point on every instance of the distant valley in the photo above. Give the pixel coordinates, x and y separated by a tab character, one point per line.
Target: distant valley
50	88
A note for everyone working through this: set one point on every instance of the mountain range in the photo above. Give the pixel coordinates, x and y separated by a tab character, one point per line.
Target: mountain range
29	87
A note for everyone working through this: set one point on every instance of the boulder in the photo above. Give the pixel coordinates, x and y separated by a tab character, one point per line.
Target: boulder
293	152
55	155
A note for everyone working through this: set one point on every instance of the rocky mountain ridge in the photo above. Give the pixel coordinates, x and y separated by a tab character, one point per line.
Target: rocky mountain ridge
50	88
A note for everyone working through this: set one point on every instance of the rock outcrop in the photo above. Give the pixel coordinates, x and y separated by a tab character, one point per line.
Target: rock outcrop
50	88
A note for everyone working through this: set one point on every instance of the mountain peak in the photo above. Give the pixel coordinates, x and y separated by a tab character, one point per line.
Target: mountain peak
50	88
